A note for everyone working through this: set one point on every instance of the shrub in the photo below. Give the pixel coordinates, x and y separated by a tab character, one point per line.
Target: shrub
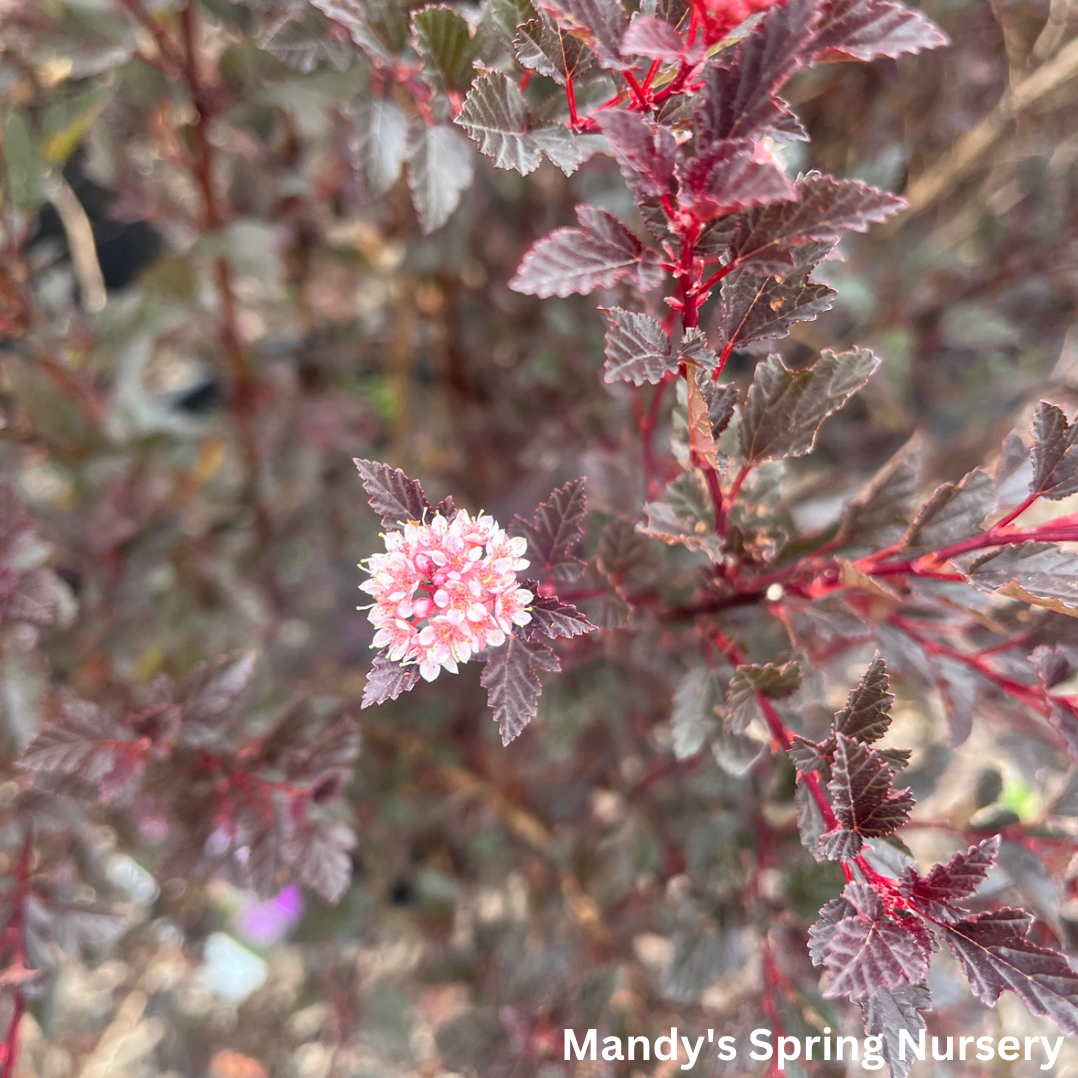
765	668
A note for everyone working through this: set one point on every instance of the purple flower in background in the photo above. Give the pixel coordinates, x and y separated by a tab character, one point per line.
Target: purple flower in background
263	924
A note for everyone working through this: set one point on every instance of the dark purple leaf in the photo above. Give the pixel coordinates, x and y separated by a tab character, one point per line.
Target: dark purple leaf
694	716
509	15
552	617
320	855
881	515
440	170
820	933
685	515
543	46
764	308
81	741
867	713
726	175
555	532
334	750
444	42
625	556
824	209
1054	663
806	756
511	678
771	681
720	398
838	844
303	37
387	680
376	26
1042	570
867	29
597	255
785	408
1064	720
861	793
1055	464
602	23
891	1011
646	154
27	596
565	149
995	954
393	496
954	512
738	98
657	40
810	822
939	894
216	690
263	863
637	348
496	116
868	950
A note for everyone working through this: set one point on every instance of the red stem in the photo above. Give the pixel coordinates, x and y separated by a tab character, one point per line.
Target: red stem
674	87
724	356
716	277
1057	531
570	97
1017	511
781	735
1029	695
638	91
715	487
732	497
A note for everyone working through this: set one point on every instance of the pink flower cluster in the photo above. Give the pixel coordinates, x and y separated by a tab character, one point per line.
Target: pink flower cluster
445	590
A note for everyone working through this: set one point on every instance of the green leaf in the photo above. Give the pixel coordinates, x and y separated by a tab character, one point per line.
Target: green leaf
65	123
785	408
26	167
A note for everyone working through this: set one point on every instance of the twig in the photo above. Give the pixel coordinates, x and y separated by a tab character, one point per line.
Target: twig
242	384
969	149
80	242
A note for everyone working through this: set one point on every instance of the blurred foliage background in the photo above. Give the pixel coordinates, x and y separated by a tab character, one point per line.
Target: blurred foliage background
204	316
